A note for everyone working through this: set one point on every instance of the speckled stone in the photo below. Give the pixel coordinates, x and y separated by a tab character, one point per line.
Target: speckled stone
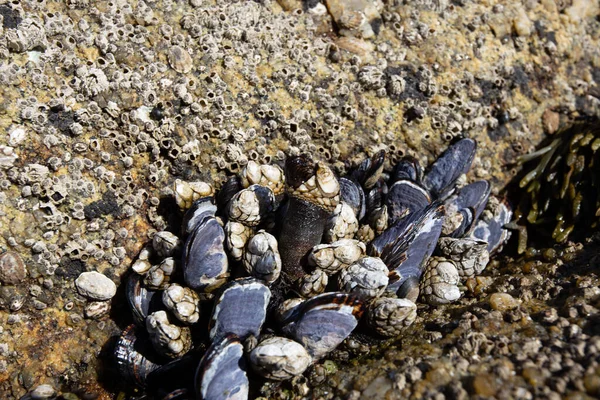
503	302
12	268
43	392
485	385
95	286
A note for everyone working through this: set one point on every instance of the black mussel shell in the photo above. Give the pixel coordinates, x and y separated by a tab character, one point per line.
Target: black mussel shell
221	374
175	378
353	195
227	191
201	209
408	168
321	323
142	301
369	171
204	261
298	170
405	197
454	162
470	201
241	309
406	246
492	231
134	356
376	196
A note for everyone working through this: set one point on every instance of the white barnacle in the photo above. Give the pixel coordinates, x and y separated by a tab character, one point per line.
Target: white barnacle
261	258
336	256
439	284
279	358
188	192
183	302
390	316
168	339
368	277
342	225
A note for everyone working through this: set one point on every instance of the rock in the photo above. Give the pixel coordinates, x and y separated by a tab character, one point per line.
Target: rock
591	383
582	9
522	23
358	18
485	385
180	59
503	302
12	268
95	286
550	121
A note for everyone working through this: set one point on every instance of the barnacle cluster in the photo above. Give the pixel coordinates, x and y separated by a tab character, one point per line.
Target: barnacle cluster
104	104
286	276
561	193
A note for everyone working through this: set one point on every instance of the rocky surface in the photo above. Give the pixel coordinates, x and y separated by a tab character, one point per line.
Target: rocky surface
104	104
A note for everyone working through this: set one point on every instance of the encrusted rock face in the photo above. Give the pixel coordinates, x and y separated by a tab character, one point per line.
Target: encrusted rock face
104	104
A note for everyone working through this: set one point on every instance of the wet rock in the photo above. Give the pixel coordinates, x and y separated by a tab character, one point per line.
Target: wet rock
485	385
503	302
550	121
95	286
591	383
12	268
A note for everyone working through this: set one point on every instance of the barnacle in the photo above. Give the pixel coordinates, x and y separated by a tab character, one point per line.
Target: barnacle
561	189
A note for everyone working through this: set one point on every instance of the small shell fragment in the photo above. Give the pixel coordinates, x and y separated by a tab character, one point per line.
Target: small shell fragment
180	60
96	309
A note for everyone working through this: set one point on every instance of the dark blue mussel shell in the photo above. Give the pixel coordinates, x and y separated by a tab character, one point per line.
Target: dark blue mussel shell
454	162
204	261
406	246
323	322
241	309
221	374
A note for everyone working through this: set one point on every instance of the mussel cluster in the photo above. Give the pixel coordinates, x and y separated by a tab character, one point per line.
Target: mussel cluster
562	188
281	265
